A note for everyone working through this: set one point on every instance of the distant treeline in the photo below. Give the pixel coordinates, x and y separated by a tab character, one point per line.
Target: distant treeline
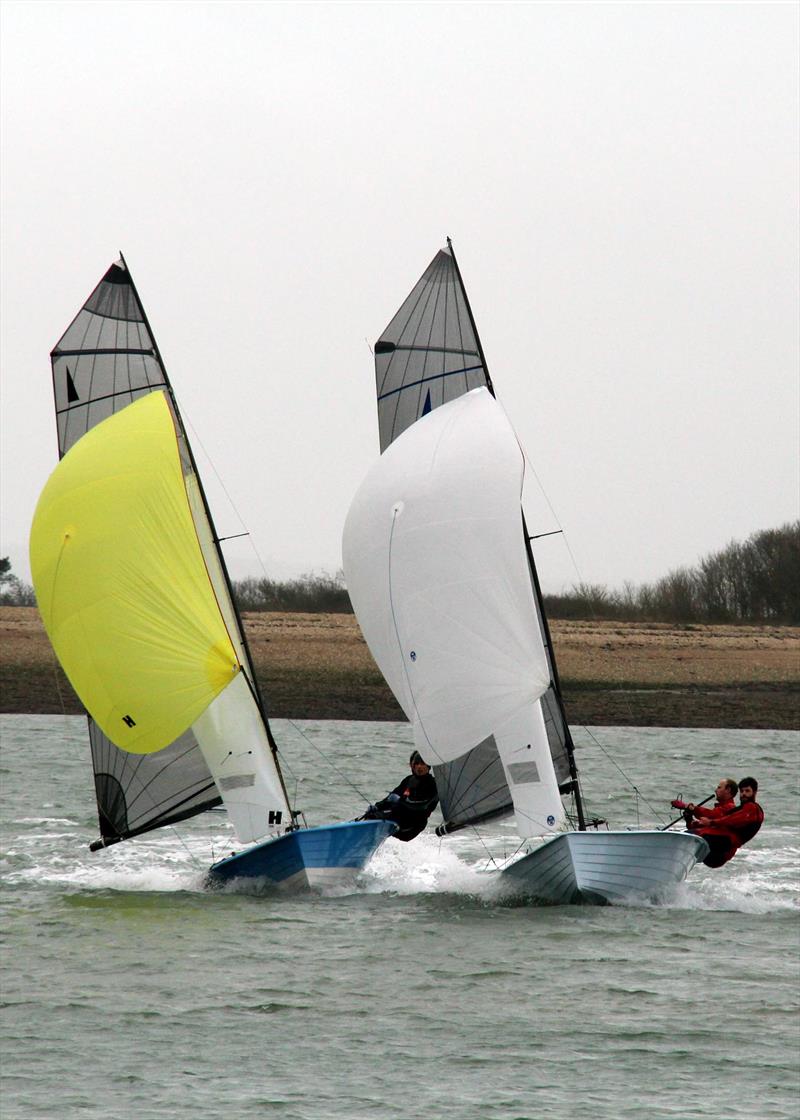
13	591
757	581
310	593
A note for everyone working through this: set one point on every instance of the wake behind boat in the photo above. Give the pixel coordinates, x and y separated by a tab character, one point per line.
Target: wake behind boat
134	594
441	573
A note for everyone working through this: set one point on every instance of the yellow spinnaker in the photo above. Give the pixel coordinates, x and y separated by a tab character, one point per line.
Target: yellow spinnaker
121	584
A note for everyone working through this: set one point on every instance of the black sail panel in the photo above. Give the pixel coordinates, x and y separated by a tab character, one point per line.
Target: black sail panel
139	792
104	360
429	353
473	787
558	733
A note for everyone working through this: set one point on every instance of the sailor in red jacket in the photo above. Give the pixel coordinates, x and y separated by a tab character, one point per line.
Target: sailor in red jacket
726	832
726	803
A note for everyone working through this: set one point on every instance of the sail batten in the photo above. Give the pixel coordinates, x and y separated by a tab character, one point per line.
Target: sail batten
87	351
426	380
391	347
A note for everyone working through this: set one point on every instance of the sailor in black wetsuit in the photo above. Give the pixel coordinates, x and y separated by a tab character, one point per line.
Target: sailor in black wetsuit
411	803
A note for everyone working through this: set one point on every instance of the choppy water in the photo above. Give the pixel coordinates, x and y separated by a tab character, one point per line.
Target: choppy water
130	992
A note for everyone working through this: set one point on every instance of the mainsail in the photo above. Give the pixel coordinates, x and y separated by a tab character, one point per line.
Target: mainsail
135	595
430	352
427	358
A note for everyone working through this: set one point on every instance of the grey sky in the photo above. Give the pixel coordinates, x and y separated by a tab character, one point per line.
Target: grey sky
620	183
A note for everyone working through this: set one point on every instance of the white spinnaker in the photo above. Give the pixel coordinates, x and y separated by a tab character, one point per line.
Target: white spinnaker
438	574
233	740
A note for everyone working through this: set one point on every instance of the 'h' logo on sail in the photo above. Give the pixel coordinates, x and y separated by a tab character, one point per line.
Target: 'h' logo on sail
129	721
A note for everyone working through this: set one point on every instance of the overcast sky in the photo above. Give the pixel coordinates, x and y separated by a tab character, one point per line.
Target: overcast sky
620	182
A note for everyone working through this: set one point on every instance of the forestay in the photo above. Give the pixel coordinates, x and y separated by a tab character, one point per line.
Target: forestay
437	524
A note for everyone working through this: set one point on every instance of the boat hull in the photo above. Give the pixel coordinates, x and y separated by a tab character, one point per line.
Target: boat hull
330	855
603	867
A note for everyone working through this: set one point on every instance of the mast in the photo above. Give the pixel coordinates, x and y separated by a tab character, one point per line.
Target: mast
569	745
574	786
473	324
251	677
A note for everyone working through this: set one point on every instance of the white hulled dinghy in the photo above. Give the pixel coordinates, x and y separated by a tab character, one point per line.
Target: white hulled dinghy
441	574
133	590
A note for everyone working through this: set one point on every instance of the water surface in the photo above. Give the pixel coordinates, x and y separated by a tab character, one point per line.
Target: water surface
131	991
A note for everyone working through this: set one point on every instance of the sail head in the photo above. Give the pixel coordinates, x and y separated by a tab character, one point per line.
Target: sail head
429	353
105	359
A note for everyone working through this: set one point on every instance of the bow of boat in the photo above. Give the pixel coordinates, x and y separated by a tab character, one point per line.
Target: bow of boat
328	855
602	867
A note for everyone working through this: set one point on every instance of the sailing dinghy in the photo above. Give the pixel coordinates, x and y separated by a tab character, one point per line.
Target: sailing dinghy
440	570
134	594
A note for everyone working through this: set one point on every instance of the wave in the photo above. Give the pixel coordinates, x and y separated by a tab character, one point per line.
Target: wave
757	881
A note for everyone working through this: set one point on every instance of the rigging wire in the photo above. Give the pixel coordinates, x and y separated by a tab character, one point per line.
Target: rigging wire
630	782
188	850
491	859
196	440
348	781
594	618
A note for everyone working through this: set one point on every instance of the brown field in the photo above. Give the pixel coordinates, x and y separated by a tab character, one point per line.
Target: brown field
316	666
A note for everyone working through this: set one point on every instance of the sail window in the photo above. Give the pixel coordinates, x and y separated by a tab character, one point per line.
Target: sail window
236	781
523	773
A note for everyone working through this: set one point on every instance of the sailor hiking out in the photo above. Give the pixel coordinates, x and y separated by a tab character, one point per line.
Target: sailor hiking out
727	826
410	803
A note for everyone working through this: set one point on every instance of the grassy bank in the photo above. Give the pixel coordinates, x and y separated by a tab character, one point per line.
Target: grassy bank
316	666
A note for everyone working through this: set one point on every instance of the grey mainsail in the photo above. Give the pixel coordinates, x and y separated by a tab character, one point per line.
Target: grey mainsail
429	353
105	359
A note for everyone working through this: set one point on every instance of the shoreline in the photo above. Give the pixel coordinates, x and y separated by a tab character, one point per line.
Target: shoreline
317	666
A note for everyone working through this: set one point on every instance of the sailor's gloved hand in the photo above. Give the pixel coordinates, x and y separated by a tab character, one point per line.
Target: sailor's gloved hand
678	804
393	797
